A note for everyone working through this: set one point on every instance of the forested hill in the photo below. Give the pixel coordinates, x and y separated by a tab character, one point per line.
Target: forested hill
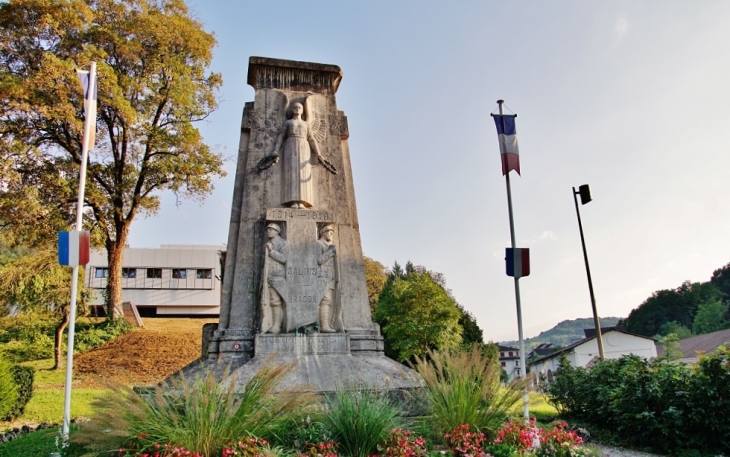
563	333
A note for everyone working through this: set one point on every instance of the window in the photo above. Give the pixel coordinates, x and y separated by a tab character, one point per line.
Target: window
204	273
504	364
510	353
101	272
154	273
129	273
179	273
517	363
501	354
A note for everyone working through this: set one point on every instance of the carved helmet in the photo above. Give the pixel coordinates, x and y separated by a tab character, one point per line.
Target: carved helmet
275	227
326	227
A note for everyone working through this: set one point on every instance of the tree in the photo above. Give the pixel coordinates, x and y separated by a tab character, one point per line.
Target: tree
376	275
711	317
152	59
471	333
674	327
721	279
37	281
416	314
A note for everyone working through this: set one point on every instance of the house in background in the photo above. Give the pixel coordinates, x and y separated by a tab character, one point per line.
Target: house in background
172	280
617	342
509	359
541	350
693	346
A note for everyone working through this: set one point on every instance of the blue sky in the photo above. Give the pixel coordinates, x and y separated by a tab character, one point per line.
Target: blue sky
630	97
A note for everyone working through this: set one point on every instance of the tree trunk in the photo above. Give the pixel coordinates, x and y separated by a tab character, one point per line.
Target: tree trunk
115	253
59	339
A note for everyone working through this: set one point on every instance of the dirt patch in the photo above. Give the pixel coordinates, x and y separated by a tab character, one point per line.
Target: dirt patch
144	356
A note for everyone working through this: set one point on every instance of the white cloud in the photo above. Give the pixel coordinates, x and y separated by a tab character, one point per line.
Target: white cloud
621	27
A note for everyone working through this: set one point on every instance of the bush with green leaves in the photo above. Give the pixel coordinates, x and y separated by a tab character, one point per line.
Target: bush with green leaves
23	378
360	420
464	387
201	415
8	389
90	335
662	406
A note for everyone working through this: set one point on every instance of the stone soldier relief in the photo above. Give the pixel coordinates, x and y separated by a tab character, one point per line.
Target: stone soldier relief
294	281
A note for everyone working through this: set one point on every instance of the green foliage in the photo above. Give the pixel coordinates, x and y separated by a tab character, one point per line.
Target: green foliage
679	305
23	378
664	406
153	86
464	388
672	348
471	333
90	336
416	314
201	415
360	420
564	332
40	443
8	389
711	317
376	275
676	328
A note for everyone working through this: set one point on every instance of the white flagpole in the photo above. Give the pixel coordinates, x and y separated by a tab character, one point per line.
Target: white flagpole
523	367
88	125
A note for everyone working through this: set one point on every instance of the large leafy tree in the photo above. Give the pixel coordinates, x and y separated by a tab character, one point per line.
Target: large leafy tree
152	59
376	275
416	314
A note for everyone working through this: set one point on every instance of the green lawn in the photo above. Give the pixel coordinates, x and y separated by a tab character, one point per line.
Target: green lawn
539	407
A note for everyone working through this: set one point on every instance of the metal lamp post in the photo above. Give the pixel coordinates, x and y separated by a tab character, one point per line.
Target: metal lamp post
585	196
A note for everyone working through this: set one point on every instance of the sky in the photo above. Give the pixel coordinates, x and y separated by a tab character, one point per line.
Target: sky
630	97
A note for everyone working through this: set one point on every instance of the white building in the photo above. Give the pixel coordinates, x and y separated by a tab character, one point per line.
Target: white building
616	343
172	280
509	359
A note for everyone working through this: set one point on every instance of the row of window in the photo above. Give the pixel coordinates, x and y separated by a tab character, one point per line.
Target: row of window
156	273
501	354
517	363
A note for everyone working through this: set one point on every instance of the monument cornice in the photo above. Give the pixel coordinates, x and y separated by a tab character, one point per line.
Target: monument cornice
267	73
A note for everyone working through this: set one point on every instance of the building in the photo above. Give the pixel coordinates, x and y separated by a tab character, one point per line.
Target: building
509	359
694	346
616	343
173	280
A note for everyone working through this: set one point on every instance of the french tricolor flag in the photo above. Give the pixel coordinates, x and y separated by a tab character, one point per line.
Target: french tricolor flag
88	81
518	262
73	248
507	134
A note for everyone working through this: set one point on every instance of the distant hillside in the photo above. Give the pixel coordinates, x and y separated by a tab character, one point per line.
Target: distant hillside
563	333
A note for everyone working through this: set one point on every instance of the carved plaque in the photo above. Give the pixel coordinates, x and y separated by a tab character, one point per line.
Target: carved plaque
304	284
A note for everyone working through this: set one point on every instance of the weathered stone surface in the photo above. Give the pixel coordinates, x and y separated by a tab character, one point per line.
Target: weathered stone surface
294	286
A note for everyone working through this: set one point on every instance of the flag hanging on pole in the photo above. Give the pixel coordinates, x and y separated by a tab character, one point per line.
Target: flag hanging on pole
507	133
73	248
87	81
518	262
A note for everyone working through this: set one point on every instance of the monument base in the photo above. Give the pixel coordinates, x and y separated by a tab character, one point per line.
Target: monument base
322	362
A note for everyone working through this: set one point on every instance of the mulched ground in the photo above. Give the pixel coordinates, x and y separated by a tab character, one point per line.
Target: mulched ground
144	356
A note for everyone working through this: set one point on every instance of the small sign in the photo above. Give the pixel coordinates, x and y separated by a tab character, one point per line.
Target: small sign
73	248
237	346
518	262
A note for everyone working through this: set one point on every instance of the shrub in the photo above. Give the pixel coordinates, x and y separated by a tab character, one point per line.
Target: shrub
94	335
518	435
400	443
27	336
463	443
23	378
8	389
464	388
664	406
201	416
359	421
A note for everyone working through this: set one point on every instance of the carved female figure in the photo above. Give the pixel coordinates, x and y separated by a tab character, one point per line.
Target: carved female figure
299	145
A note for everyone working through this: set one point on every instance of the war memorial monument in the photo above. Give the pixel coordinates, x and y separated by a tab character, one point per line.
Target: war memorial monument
294	286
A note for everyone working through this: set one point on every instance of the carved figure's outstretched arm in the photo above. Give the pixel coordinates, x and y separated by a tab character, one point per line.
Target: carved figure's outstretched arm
272	158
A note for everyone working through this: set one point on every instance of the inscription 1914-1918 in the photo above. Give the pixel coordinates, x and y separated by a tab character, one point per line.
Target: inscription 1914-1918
282	214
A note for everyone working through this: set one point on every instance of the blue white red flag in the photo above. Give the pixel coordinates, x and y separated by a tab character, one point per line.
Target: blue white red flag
90	96
518	262
73	248
508	148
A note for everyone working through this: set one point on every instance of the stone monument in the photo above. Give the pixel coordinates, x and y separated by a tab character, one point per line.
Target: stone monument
293	280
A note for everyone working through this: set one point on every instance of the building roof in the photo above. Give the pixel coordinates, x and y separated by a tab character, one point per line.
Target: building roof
706	343
589	332
543	349
506	348
571	346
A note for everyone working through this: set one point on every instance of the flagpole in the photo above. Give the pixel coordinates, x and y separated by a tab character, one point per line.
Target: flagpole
523	367
88	124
